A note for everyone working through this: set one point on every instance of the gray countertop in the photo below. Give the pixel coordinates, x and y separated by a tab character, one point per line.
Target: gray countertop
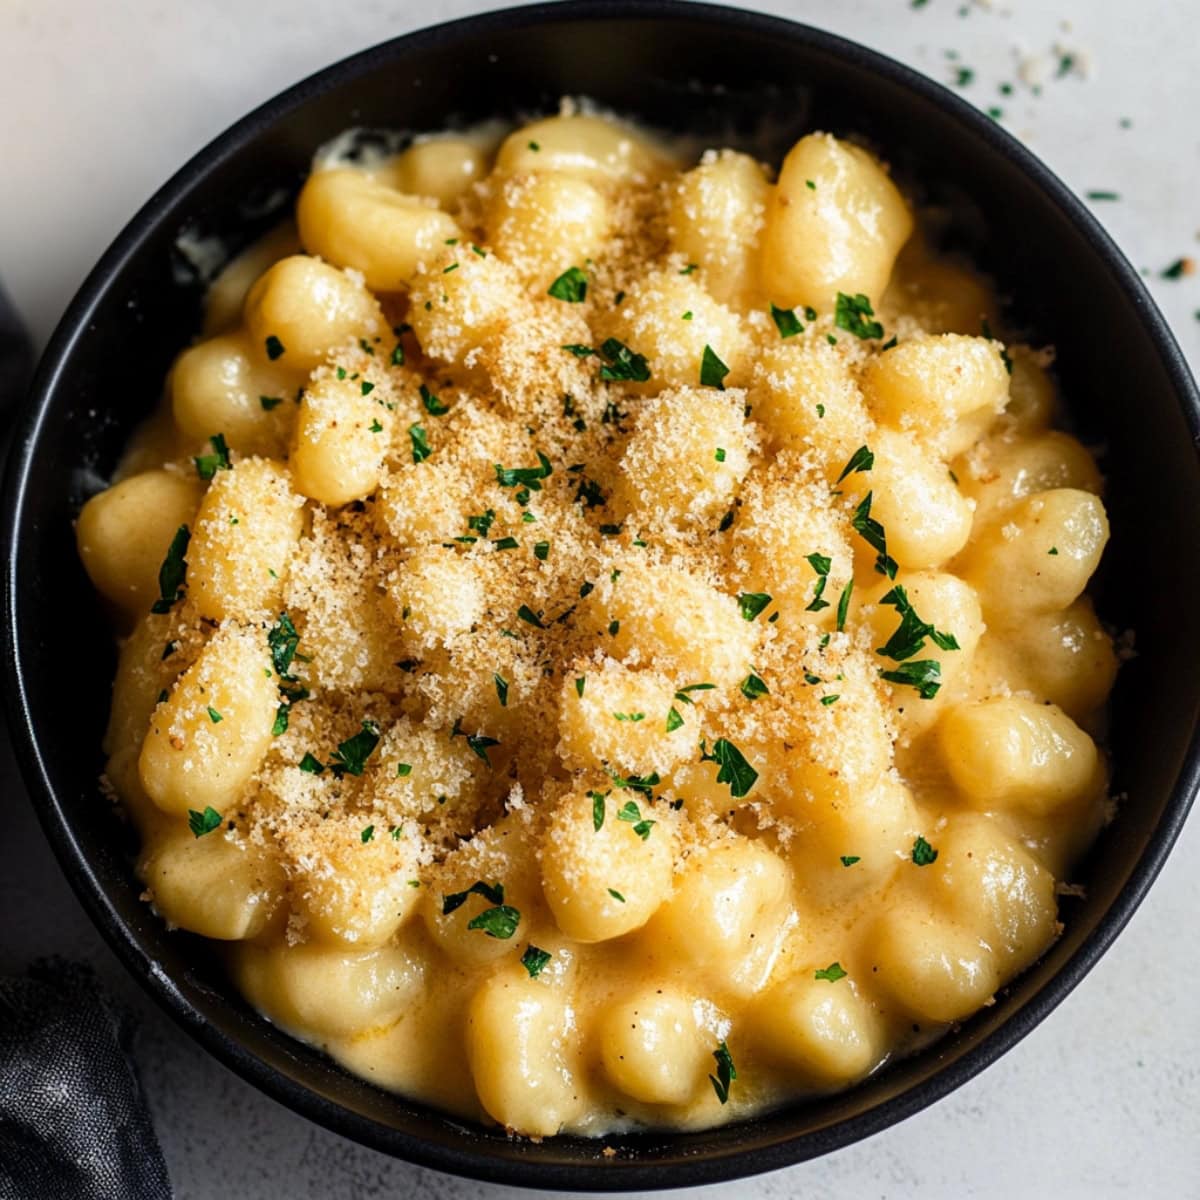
1100	1101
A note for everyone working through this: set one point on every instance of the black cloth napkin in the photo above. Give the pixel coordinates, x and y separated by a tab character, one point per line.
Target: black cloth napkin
73	1120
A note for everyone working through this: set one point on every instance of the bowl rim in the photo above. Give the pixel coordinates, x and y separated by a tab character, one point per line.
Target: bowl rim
476	1160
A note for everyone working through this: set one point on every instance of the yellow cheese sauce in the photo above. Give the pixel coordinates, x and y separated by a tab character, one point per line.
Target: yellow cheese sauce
604	636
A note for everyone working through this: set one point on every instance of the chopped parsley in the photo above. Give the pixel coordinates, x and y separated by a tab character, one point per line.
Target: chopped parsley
274	347
477	742
433	406
828	700
530	617
820	563
204	822
623	363
924	674
719	454
403	769
367	834
501	688
1178	269
420	443
753	687
616	895
786	321
491	892
571	286
1103	195
734	769
598	799
726	1072
635	783
375	427
580	351
525	477
683	693
851	313
908	639
350	758
282	641
689	269
367	387
579	685
753	603
843	608
634	716
674	720
270	402
541	551
482	523
398	354
1052	550
712	370
923	853
173	572
861	460
848	860
214	716
832	973
872	532
630	813
534	960
500	922
207	465
311	765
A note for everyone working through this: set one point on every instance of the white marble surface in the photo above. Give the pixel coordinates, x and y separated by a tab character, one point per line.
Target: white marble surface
103	100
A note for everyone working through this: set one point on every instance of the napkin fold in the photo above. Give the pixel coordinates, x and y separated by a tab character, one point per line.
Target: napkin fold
73	1120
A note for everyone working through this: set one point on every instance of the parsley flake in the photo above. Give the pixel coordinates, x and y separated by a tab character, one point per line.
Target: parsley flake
753	603
832	973
214	716
350	758
270	402
712	370
534	960
207	465
433	406
848	860
491	892
821	564
861	460
923	853
571	286
420	443
623	363
786	321
525	477
367	834
674	720
726	1072
851	313
500	922
274	347
173	572
873	533
924	675
734	769
597	810
501	688
204	822
752	687
616	895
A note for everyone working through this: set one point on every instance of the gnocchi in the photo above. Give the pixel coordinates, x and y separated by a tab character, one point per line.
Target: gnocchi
604	638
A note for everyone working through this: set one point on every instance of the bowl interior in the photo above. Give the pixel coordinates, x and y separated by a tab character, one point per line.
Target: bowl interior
735	79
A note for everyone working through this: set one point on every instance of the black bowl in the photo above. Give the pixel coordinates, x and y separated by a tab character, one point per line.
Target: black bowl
737	78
